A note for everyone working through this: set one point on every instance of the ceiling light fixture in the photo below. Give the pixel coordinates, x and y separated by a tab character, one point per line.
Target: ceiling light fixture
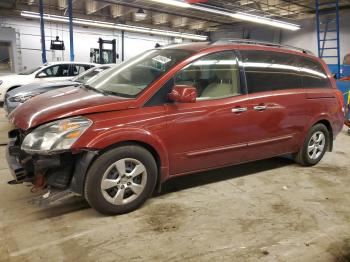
265	21
237	15
140	14
173	3
129	28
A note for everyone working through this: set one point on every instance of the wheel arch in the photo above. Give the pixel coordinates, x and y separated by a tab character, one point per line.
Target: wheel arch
143	144
328	124
12	87
6	90
157	150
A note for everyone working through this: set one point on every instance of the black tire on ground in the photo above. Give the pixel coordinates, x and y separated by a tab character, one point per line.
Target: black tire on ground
93	192
302	157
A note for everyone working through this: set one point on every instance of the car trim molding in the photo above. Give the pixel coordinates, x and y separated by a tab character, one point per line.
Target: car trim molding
216	150
271	140
238	146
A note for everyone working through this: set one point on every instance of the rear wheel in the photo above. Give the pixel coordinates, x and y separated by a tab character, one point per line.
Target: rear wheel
314	147
121	180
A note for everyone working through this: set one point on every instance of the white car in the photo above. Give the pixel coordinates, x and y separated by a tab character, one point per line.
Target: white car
52	71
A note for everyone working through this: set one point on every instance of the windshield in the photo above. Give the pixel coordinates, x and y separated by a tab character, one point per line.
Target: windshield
131	77
30	71
84	77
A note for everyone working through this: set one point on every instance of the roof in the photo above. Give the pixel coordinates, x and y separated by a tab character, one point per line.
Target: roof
196	46
68	62
239	43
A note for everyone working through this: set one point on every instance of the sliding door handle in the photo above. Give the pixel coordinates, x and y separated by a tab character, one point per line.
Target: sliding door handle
260	108
238	110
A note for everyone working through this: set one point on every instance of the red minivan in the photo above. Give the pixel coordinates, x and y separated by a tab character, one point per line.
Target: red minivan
174	111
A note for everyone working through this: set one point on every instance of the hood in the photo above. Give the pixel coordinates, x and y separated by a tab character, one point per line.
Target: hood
8	76
40	87
13	78
65	102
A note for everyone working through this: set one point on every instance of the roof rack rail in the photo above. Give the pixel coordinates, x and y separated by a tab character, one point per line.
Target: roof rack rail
257	42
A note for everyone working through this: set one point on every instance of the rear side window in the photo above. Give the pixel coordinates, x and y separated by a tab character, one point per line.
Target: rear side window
313	74
268	71
78	69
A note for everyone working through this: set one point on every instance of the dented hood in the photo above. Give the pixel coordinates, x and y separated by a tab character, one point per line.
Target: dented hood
65	102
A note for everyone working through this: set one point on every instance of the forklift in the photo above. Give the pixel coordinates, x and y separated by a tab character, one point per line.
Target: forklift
104	56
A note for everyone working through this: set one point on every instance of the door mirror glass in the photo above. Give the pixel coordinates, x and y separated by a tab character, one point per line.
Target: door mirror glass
41	74
183	94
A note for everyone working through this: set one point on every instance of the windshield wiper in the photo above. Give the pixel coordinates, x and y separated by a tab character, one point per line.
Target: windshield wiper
104	92
107	92
88	87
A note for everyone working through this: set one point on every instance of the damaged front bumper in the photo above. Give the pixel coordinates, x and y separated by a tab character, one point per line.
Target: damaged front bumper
16	169
58	175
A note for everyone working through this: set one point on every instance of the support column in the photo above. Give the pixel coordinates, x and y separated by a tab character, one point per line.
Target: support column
114	52
123	45
338	38
71	42
42	31
100	49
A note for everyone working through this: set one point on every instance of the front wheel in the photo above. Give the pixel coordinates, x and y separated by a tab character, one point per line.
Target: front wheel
121	180
314	147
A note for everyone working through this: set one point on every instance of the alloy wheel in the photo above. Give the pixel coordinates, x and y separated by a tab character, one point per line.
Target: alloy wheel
316	145
123	181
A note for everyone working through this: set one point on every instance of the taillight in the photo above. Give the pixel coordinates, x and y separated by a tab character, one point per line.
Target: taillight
341	100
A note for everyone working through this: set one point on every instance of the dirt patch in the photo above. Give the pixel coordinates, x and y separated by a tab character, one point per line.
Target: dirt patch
163	217
284	208
301	221
248	225
340	251
340	153
334	170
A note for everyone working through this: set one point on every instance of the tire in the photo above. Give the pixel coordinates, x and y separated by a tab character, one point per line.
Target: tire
308	155
113	188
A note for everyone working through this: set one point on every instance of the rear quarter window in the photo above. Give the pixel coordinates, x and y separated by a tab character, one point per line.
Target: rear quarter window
269	71
313	74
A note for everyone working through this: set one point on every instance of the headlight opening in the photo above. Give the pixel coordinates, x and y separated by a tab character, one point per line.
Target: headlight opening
56	136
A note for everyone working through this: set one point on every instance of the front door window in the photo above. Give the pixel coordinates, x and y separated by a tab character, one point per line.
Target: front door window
214	76
55	71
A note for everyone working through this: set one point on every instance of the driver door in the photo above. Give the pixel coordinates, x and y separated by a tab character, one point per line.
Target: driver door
210	132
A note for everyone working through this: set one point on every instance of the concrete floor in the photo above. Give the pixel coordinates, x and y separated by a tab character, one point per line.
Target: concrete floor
271	210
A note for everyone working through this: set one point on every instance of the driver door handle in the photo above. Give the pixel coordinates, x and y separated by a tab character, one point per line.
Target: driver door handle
239	110
260	108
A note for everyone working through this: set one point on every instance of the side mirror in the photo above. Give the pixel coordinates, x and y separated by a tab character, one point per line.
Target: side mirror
41	74
183	94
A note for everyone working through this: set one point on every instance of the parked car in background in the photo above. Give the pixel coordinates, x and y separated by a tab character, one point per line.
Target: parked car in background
51	71
18	96
174	111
